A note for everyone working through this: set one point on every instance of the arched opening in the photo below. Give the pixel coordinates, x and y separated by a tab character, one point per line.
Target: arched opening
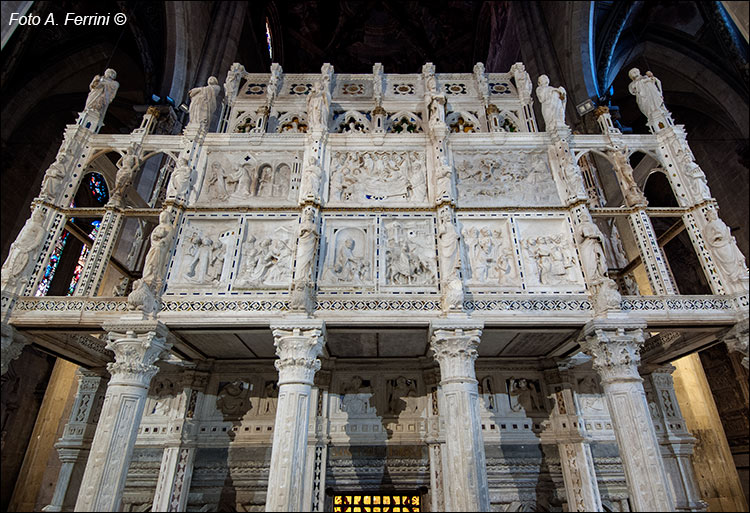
673	238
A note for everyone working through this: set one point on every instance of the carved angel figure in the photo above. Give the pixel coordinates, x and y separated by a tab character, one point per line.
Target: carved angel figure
203	102
28	240
553	100
102	91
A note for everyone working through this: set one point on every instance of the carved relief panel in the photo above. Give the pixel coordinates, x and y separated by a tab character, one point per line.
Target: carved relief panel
202	258
377	178
490	254
408	253
348	254
243	178
266	254
504	178
549	257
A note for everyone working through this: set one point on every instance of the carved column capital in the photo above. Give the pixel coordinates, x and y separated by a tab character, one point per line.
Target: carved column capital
736	339
455	349
615	349
298	349
137	346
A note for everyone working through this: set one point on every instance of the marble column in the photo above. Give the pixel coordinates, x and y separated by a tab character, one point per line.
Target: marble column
566	430
673	436
455	349
614	345
298	346
73	447
137	345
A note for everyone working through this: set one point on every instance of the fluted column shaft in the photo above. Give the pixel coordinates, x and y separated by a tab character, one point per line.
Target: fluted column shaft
455	350
614	346
297	348
137	346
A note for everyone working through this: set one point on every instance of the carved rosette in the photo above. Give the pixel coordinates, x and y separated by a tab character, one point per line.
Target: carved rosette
615	352
136	350
456	350
298	350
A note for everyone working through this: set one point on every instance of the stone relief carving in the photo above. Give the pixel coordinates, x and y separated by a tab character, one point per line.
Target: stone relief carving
409	252
524	395
727	256
319	106
505	179
202	254
356	397
589	395
232	399
348	257
490	256
236	178
375	177
549	255
28	240
402	396
487	392
266	256
158	253
270	398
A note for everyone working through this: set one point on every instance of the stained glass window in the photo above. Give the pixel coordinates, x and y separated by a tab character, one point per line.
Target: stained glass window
377	502
49	272
98	187
268	39
82	259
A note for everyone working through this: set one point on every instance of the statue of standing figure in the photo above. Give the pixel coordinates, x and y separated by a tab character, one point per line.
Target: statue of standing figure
648	93
553	100
102	92
156	259
318	107
126	170
203	102
312	176
727	256
28	240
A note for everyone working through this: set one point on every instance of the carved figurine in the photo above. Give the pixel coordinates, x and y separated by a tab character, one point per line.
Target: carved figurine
28	240
318	107
53	177
232	82
312	176
482	83
307	243
727	256
158	253
648	93
102	92
553	100
125	173
524	395
695	178
203	102
217	182
592	252
179	182
232	399
633	194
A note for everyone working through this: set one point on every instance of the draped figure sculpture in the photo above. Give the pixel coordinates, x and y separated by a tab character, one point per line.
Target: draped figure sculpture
728	257
102	91
179	182
28	240
203	102
156	258
553	100
648	93
53	177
